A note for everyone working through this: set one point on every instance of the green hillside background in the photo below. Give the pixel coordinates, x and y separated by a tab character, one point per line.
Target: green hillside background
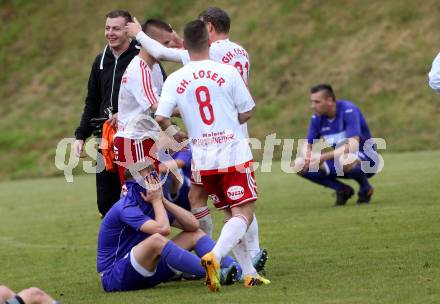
376	53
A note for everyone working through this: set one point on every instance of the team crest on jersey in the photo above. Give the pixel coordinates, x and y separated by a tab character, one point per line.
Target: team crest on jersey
214	198
235	192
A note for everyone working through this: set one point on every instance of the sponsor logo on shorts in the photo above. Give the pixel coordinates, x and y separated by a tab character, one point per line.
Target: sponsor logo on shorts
235	192
214	198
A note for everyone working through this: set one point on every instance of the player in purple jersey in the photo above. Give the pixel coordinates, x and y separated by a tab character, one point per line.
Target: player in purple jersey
342	126
176	184
133	249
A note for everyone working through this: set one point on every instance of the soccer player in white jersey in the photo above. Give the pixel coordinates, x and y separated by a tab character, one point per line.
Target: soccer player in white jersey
225	51
214	101
140	89
221	50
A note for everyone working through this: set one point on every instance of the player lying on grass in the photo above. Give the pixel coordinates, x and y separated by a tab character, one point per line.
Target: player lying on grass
221	50
214	102
133	249
353	155
31	295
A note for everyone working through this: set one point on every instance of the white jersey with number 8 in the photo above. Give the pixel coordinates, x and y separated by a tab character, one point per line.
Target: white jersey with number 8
209	96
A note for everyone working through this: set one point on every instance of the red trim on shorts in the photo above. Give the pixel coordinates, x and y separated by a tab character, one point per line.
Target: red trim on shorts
235	168
194	175
243	201
237	204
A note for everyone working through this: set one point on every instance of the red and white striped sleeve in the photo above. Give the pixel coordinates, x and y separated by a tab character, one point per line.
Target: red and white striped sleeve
141	86
147	84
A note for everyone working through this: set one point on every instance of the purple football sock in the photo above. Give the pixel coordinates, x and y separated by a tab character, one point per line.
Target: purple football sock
358	175
324	180
205	244
182	260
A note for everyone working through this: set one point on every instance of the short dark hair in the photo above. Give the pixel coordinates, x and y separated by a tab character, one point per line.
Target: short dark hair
323	87
196	36
218	18
157	23
120	13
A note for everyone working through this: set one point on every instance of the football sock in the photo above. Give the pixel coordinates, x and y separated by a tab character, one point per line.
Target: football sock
232	232
205	244
327	181
182	260
358	175
204	217
252	238
243	257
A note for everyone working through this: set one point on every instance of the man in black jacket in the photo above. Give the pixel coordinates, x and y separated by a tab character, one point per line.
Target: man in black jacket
102	99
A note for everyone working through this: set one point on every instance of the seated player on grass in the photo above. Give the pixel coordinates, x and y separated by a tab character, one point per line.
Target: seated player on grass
31	295
133	249
353	155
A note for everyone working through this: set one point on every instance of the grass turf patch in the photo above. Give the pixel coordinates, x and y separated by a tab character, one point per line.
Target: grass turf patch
383	253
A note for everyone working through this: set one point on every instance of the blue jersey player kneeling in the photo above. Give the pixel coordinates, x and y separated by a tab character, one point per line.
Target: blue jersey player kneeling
133	249
340	125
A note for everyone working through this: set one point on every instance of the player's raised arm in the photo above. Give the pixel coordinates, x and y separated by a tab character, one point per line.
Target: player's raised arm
153	47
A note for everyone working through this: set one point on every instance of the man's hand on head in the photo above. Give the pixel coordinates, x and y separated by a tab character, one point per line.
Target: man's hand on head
154	189
133	28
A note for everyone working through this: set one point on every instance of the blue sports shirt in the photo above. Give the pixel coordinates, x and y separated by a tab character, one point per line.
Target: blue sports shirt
348	122
120	228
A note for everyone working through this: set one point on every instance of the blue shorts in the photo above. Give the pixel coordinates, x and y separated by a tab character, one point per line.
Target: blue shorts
122	276
369	163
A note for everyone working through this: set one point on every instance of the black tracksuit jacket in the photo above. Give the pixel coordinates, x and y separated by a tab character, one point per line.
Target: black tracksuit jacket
103	87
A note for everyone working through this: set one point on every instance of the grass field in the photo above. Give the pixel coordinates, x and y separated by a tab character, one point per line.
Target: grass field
387	252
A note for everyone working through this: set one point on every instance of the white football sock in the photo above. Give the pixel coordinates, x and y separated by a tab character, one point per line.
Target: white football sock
232	232
252	238
243	257
204	217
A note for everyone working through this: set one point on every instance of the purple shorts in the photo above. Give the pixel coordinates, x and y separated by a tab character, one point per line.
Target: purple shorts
122	276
